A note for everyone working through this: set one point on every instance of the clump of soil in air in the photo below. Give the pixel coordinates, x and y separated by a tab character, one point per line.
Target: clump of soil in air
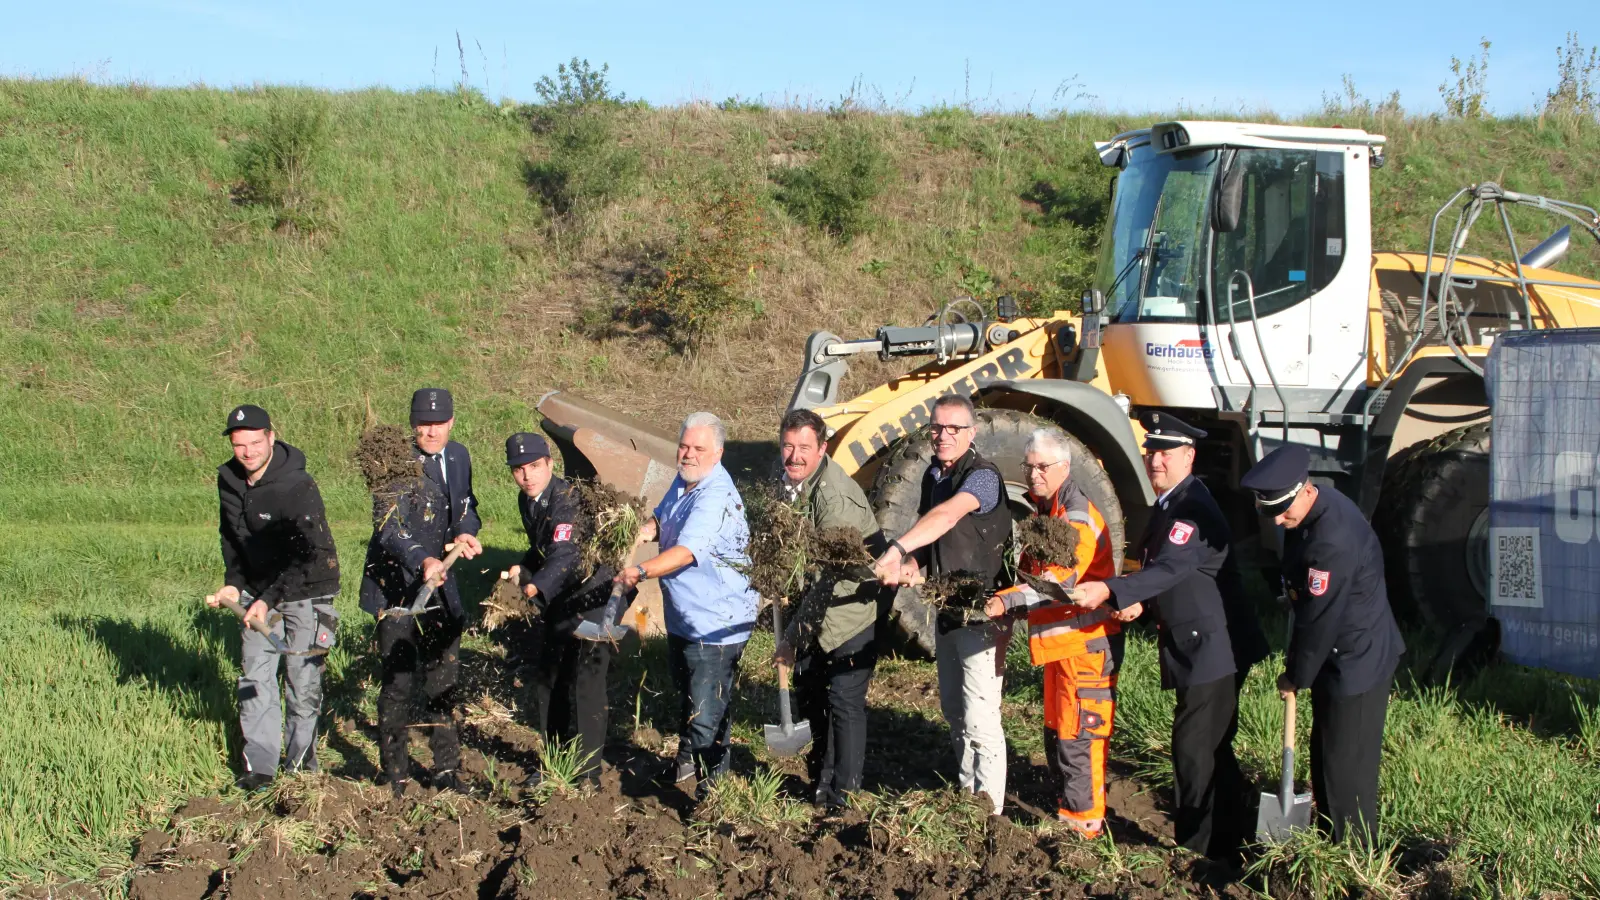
608	524
505	603
956	592
386	457
781	543
1048	539
840	548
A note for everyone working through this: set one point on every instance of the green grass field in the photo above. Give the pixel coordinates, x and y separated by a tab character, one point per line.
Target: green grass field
140	302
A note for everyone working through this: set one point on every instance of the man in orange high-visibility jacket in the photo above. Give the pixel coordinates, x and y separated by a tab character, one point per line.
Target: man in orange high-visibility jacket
1079	649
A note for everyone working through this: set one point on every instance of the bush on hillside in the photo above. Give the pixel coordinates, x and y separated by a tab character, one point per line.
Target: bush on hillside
1468	97
1575	93
704	282
276	162
834	192
585	169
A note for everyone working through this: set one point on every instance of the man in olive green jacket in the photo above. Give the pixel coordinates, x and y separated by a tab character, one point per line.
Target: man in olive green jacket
832	633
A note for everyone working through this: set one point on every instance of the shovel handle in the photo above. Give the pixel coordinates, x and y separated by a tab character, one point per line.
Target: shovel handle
256	625
1286	780
1288	723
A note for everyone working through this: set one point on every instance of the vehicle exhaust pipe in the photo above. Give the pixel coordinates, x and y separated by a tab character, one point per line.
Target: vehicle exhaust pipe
1550	250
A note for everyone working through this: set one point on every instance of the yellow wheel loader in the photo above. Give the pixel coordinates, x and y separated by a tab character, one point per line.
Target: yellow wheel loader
1237	286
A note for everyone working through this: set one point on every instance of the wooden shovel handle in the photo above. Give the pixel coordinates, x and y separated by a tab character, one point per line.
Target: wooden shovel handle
256	625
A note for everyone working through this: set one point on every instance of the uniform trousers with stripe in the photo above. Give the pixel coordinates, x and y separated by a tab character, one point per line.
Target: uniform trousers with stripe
1079	707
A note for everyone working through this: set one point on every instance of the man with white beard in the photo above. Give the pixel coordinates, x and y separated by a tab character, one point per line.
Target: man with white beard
710	608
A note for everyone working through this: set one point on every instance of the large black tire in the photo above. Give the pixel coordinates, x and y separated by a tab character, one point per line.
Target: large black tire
1433	520
1001	437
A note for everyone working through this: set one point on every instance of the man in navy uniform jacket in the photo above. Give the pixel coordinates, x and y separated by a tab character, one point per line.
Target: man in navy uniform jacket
1345	644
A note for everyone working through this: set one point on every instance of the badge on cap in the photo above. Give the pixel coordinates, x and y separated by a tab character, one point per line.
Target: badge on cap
1180	533
1317	582
238	416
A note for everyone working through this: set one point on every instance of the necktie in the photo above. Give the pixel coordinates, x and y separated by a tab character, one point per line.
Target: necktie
444	474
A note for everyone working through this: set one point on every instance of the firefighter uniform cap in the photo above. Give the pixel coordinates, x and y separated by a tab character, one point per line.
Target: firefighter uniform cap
1163	431
523	448
1277	479
432	405
247	417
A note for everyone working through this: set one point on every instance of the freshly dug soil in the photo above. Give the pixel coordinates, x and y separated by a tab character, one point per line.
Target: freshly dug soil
1049	539
608	524
505	602
955	591
385	456
787	552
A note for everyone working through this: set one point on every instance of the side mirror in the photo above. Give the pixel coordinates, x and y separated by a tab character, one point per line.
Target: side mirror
1230	194
1093	302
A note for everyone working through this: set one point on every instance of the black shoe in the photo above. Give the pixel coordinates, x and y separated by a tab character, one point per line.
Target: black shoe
250	782
447	781
682	771
398	786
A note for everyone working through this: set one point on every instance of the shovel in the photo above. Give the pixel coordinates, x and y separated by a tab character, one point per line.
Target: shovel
785	738
425	593
1285	811
278	644
610	627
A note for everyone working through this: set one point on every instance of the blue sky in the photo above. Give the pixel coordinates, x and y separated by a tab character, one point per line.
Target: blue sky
1153	55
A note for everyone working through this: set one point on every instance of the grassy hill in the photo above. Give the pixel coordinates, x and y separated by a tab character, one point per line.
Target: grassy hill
147	285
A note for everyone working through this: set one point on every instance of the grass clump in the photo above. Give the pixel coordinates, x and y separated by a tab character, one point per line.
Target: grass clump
752	803
276	163
835	191
704	282
563	767
609	522
586	168
945	825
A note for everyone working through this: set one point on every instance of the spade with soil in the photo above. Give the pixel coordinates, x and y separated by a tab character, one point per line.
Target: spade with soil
425	593
610	627
786	738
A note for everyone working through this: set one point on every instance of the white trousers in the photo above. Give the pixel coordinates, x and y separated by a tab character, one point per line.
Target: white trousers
972	664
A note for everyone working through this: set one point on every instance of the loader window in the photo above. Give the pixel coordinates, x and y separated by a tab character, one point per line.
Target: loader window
1153	254
1290	239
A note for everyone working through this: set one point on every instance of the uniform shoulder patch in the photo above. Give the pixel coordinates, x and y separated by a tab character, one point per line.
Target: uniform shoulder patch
1180	533
1317	581
563	533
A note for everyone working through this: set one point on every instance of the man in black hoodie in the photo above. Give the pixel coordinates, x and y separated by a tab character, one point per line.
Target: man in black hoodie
281	566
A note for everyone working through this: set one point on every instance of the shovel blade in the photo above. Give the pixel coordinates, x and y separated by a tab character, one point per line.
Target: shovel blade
1274	825
593	631
788	742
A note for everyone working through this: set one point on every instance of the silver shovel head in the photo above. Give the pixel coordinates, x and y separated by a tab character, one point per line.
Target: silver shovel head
609	628
1283	812
788	741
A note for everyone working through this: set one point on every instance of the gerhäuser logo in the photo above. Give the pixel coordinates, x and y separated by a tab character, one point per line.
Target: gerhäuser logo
1194	348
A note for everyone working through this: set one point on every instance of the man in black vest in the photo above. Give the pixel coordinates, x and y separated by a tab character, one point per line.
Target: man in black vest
281	566
1345	644
1209	637
412	526
569	680
964	527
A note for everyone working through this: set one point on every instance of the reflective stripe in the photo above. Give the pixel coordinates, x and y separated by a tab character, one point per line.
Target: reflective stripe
1083	518
1067	626
1096	645
1094	694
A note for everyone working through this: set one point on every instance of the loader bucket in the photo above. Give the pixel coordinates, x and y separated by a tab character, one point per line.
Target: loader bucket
616	448
623	452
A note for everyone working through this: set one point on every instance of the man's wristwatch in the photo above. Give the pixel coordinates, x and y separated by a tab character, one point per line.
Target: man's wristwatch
896	544
642	573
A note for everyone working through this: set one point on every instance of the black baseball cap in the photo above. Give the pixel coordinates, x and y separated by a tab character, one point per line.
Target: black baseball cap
525	447
1163	431
1278	478
247	417
432	405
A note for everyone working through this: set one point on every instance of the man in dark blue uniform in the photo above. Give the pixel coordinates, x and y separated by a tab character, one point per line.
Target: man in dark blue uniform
414	520
569	673
1209	637
1345	644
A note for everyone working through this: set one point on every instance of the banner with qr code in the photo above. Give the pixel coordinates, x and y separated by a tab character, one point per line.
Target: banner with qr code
1544	499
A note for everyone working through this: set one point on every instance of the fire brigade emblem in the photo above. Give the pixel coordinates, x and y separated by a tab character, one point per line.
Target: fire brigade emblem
1317	582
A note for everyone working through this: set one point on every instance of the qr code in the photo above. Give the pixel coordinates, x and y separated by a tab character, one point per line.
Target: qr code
1514	565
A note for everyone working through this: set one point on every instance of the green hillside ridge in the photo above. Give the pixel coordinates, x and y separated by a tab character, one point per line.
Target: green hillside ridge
142	301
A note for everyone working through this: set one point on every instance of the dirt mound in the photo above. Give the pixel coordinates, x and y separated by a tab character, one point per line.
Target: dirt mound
505	603
608	524
1049	539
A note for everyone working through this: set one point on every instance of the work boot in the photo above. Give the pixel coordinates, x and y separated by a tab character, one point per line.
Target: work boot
250	782
448	781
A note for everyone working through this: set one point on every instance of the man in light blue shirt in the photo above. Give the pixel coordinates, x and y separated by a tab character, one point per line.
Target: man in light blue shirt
710	608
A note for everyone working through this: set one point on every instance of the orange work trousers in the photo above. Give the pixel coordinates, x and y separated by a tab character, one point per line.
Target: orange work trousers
1079	704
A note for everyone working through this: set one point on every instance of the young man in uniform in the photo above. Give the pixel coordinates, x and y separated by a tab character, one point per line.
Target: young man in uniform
832	630
1209	637
709	607
1345	644
1080	649
569	673
413	524
281	567
964	526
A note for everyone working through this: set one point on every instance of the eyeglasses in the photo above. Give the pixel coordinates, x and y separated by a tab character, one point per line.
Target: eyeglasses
951	430
1029	469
